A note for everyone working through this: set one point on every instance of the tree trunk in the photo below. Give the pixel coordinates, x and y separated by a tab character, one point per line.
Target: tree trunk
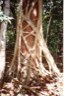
3	28
30	43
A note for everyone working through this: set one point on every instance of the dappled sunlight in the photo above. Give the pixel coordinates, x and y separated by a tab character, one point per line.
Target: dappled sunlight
35	12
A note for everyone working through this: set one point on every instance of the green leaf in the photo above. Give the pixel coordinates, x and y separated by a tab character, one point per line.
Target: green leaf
1	12
9	21
46	16
1	19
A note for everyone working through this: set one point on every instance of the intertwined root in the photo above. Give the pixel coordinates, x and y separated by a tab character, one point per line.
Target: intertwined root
30	42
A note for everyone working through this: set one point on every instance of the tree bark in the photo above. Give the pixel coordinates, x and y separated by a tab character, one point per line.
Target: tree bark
48	29
3	28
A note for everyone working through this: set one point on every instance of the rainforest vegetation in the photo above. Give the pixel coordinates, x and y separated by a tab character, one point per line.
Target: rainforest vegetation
31	47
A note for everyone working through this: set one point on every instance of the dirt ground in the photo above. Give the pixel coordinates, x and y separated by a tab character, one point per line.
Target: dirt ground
49	86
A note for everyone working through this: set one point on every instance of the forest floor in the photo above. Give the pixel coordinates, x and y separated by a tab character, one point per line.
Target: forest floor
49	86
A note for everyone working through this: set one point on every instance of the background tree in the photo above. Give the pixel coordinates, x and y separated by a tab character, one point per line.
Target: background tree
3	27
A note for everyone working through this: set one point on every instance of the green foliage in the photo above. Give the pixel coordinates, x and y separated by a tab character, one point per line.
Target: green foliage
54	39
55	34
10	38
3	17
